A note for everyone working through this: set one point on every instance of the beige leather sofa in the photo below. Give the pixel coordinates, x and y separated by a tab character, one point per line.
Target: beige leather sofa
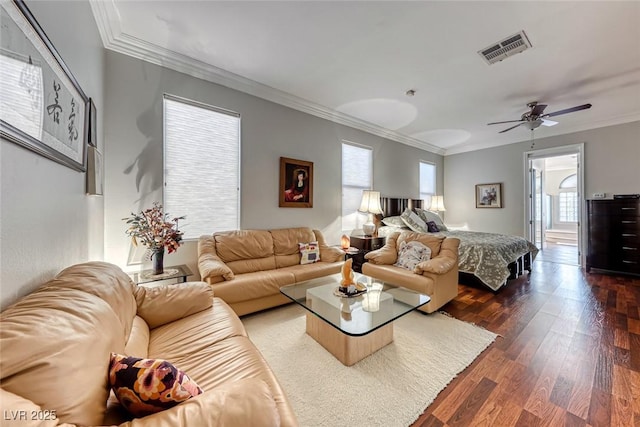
437	277
246	268
56	344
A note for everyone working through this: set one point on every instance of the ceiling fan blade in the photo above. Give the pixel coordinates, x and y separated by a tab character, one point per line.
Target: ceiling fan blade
508	121
538	109
546	122
568	110
512	127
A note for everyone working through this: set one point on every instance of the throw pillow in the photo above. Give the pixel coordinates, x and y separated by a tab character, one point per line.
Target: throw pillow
433	228
411	254
393	221
431	216
413	221
310	252
146	386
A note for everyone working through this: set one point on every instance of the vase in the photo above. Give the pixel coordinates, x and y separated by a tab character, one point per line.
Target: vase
158	261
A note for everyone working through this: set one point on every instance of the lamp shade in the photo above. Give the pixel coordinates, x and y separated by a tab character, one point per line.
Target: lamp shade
370	202
437	204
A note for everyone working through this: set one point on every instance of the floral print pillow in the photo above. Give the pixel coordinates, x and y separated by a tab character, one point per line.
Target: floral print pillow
411	254
146	386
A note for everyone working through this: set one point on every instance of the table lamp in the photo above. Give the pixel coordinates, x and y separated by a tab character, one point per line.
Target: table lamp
370	205
437	204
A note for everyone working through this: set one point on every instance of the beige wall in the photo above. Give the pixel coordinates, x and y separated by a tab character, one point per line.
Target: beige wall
611	158
46	220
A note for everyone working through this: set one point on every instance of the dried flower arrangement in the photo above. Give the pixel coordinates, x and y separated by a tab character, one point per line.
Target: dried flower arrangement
152	228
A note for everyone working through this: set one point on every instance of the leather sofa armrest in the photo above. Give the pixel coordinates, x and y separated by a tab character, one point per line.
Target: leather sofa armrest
247	402
444	261
437	265
386	255
331	254
212	268
159	305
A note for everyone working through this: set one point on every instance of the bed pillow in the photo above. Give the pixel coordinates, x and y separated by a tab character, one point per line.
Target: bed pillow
414	222
147	386
427	216
411	254
394	221
432	227
310	252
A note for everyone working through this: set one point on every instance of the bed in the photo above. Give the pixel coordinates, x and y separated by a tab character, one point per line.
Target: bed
488	258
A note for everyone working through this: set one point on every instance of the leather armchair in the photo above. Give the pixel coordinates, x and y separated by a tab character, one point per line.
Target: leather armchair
437	277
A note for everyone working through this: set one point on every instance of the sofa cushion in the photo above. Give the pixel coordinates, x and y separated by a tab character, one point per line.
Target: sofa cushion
183	298
147	386
400	276
309	253
285	244
138	342
254	285
190	335
243	244
313	271
66	329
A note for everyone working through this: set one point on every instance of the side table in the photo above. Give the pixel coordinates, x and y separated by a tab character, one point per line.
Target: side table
178	272
363	244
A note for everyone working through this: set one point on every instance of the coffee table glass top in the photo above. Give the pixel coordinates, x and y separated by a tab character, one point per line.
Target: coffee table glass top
382	303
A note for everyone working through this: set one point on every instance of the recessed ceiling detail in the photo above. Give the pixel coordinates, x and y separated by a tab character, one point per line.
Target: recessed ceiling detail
444	138
388	113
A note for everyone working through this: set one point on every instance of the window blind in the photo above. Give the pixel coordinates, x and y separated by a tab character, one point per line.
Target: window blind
201	166
427	182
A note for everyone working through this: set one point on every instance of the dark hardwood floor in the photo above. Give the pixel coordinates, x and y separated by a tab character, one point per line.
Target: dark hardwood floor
568	354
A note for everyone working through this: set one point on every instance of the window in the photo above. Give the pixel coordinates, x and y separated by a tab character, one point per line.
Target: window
357	175
427	182
201	166
568	199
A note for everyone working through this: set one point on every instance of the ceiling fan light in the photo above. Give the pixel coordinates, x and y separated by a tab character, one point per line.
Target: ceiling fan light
533	124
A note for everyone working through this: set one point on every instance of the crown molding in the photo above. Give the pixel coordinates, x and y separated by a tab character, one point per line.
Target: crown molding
115	39
611	121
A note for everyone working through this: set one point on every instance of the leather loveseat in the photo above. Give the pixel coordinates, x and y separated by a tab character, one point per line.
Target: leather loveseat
437	277
56	345
246	268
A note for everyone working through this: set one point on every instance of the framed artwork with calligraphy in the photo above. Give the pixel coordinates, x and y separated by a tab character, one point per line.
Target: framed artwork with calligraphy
42	107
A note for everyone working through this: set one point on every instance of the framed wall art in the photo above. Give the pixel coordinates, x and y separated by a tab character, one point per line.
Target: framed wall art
42	106
296	183
489	195
95	172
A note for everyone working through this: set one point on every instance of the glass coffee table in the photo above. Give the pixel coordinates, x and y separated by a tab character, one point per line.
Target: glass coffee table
355	327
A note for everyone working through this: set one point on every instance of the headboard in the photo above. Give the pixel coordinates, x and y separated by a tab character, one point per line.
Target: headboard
394	206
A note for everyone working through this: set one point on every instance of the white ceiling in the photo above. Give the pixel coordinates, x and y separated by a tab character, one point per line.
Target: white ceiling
353	61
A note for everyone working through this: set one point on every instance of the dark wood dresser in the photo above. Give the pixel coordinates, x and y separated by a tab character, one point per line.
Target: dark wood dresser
614	235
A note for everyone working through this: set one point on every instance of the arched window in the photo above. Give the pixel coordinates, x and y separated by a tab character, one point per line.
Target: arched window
568	199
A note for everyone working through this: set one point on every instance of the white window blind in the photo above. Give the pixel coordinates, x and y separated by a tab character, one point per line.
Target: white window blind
357	175
201	166
427	182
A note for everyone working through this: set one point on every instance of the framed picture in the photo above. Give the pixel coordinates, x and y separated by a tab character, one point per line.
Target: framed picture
94	172
93	126
489	195
296	183
42	106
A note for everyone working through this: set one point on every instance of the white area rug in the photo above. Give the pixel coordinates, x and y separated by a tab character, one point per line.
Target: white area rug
392	387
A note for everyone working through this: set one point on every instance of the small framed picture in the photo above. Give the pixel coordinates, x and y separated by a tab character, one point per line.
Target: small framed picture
489	195
296	183
93	125
94	172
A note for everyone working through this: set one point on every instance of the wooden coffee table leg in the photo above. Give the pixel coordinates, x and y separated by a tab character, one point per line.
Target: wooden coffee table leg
345	348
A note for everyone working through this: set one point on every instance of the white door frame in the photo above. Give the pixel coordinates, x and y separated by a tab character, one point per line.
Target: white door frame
553	152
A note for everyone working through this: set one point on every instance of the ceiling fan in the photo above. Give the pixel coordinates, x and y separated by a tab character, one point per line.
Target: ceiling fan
535	117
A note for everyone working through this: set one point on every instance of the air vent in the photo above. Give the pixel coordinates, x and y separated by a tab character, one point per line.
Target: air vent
496	52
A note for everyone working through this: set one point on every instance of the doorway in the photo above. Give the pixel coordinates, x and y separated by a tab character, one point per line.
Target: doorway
555	182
